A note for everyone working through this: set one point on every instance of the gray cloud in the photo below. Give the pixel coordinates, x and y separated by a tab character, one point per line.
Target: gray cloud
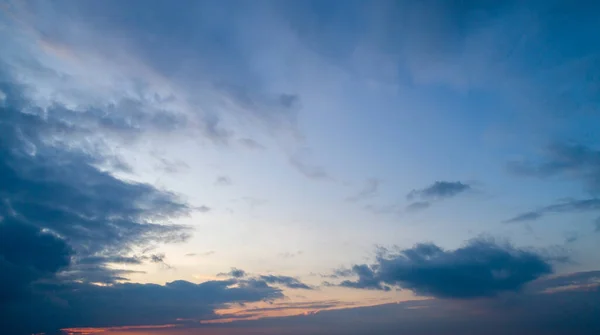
289	282
481	268
84	305
369	190
570	206
223	181
438	191
234	273
568	160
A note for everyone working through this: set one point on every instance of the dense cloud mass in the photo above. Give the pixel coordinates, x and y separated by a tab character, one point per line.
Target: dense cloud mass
481	268
63	220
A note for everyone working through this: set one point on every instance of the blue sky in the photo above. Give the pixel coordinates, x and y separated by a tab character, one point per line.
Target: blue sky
322	147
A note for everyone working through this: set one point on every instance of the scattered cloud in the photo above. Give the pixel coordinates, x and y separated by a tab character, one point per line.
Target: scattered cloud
569	206
481	268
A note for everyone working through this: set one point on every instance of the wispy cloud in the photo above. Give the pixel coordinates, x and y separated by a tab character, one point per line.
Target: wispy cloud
369	190
570	206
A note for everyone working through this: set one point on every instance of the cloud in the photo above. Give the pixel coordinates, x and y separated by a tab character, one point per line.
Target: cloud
223	181
251	144
206	253
481	268
60	188
288	255
369	190
289	282
84	305
26	255
568	160
234	273
67	224
417	206
570	206
438	191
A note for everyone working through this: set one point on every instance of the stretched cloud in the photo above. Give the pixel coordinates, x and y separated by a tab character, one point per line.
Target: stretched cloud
440	190
571	206
568	160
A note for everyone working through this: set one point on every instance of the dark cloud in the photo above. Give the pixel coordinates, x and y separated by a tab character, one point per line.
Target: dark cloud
369	190
289	282
234	273
563	312
570	206
85	305
65	224
223	181
481	268
439	190
27	254
568	160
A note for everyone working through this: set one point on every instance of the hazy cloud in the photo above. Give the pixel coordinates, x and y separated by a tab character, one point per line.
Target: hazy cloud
568	160
369	190
223	181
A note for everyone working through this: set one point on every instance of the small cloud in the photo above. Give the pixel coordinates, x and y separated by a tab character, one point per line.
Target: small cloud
438	191
203	209
234	273
223	181
290	254
289	282
417	206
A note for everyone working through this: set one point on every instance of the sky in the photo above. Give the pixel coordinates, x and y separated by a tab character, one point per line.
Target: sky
299	167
